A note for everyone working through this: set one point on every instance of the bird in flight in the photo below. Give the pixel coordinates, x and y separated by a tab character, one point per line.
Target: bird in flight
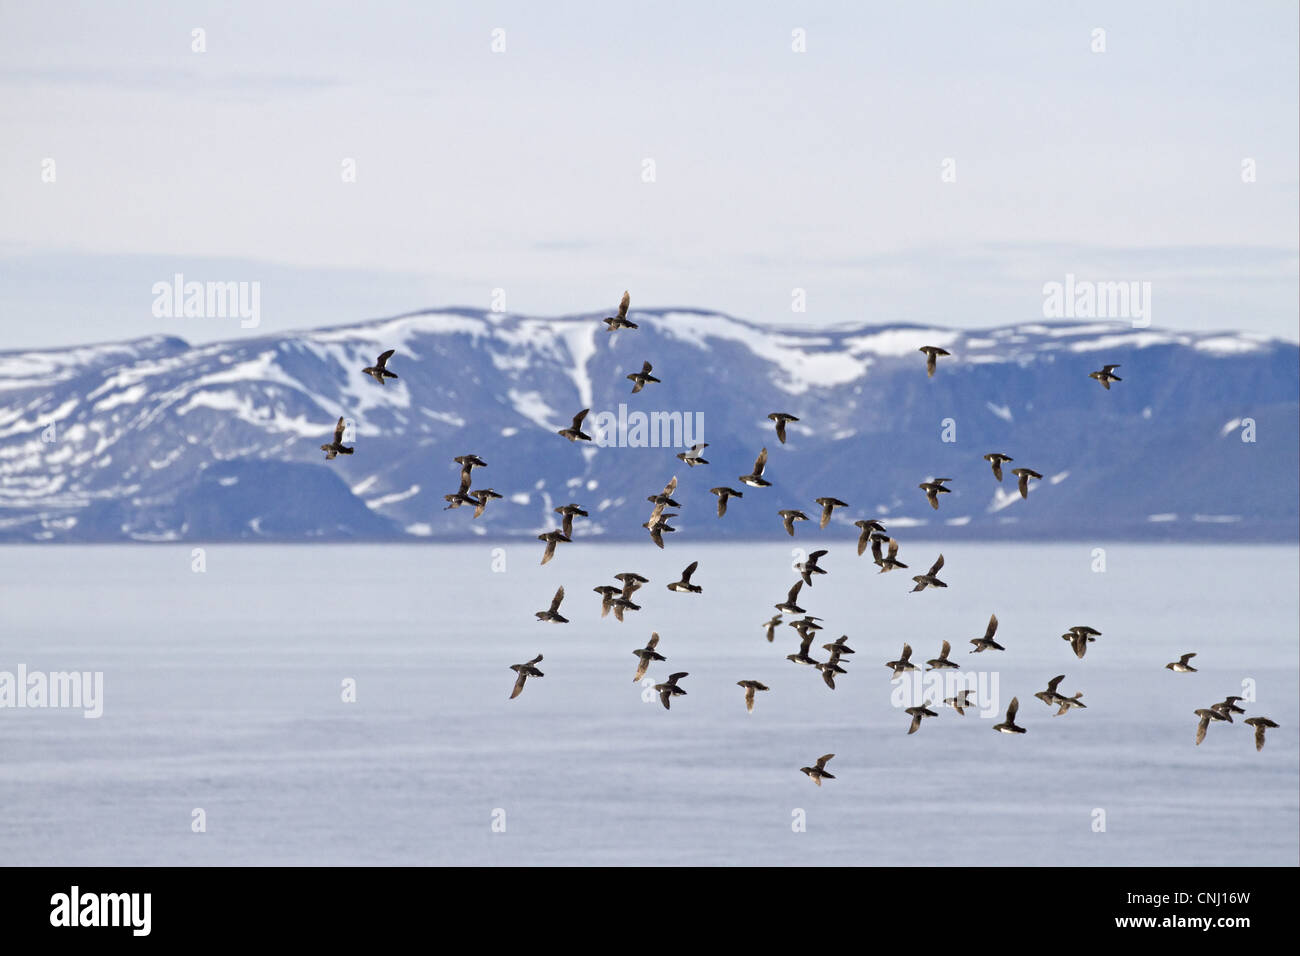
1068	702
607	594
684	585
1009	726
781	419
932	354
997	460
839	646
631	584
1260	724
1207	715
788	606
1050	696
692	456
789	516
469	462
868	526
723	494
933	489
904	662
647	654
336	447
574	432
887	562
806	636
552	538
379	371
525	671
818	772
986	643
830	668
940	662
665	498
1024	474
552	614
621	321
1080	637
1106	376
1228	706
658	526
928	580
809	567
567	513
756	479
751	686
829	505
917	713
461	495
961	701
484	496
669	688
642	378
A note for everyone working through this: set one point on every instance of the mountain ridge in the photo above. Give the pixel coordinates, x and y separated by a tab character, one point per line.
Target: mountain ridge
153	437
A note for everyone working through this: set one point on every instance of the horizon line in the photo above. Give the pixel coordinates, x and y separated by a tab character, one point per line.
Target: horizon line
1120	326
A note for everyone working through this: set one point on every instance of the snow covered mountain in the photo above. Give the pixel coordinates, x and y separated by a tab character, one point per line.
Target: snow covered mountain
158	440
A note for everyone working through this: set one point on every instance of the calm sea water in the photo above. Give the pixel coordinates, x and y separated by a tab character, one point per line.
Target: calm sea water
222	691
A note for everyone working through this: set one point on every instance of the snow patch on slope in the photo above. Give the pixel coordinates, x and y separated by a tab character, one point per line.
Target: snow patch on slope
798	365
532	407
896	343
581	341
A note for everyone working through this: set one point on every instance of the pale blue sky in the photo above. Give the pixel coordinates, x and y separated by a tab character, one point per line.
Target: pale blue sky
523	170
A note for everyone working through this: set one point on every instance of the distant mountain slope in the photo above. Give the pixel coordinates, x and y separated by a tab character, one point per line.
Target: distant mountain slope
157	440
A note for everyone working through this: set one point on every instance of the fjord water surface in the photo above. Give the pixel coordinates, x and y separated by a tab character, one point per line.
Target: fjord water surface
223	692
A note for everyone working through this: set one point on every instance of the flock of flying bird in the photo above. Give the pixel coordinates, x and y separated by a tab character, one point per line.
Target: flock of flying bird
884	552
